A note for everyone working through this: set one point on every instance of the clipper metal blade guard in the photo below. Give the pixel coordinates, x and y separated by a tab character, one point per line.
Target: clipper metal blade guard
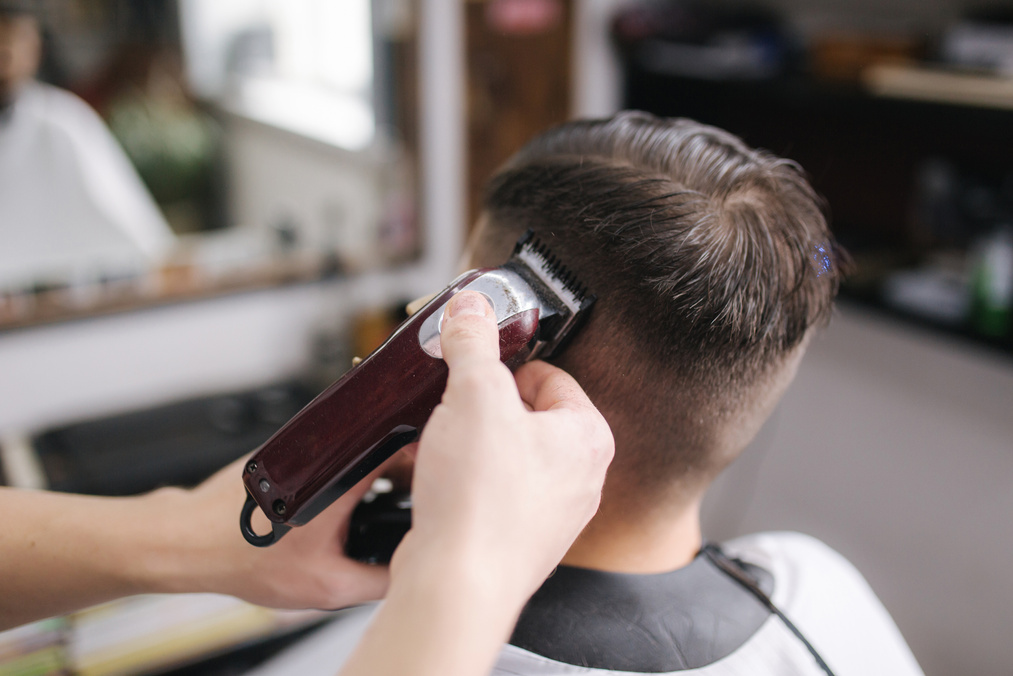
383	403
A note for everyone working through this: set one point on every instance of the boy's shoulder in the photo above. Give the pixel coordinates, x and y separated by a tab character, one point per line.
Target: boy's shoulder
795	559
830	600
818	589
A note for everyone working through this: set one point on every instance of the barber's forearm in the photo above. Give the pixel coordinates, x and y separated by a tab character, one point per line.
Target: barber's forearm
448	620
64	552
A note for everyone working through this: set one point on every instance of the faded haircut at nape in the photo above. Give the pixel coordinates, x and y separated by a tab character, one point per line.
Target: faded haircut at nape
712	259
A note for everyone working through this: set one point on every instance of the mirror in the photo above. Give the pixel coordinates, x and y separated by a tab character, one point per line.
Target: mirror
173	149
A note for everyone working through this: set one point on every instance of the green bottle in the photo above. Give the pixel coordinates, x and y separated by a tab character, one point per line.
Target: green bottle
992	284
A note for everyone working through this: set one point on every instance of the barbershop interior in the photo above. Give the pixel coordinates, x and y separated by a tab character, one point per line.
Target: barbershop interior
250	192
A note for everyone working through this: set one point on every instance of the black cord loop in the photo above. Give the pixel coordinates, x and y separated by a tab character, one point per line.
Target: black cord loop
735	571
246	526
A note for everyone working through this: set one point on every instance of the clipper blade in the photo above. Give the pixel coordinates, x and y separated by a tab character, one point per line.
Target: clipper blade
564	298
538	258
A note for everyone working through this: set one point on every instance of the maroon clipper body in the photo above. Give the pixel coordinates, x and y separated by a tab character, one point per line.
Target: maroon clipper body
383	403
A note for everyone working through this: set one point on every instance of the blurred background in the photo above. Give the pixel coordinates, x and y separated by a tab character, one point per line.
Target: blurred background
250	190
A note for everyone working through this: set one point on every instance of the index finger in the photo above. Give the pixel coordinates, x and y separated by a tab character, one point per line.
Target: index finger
552	391
545	387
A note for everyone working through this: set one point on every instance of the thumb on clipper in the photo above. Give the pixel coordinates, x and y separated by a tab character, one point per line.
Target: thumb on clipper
469	330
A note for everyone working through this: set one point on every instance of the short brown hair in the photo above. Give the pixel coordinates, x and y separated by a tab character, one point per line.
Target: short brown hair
710	260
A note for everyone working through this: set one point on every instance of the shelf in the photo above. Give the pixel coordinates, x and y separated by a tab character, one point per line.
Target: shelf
940	85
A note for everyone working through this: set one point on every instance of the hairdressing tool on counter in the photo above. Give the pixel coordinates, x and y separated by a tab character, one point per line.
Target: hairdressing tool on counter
383	402
378	524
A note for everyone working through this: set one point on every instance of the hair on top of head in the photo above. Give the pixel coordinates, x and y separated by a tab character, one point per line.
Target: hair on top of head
723	250
713	259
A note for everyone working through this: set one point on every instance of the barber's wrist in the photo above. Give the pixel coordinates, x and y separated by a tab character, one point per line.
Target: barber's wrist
446	611
469	573
169	555
454	601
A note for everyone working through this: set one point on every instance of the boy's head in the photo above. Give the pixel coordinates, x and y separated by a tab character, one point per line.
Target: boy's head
711	262
20	47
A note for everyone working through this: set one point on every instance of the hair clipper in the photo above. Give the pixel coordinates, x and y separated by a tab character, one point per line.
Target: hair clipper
383	402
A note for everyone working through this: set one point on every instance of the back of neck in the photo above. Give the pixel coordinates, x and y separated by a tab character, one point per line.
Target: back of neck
638	541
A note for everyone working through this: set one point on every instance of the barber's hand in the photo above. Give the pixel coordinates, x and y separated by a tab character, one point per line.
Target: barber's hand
305	569
72	551
499	490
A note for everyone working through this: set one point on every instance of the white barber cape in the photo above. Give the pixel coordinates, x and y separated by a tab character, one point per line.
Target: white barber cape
814	586
71	204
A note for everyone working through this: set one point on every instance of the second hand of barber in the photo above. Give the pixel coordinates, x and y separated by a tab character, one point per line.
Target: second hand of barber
500	493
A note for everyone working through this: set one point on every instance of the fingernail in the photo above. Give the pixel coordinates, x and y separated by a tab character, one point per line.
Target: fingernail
467	303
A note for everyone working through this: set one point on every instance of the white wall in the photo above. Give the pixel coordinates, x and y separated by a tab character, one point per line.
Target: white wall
332	196
597	76
335	196
78	369
895	447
